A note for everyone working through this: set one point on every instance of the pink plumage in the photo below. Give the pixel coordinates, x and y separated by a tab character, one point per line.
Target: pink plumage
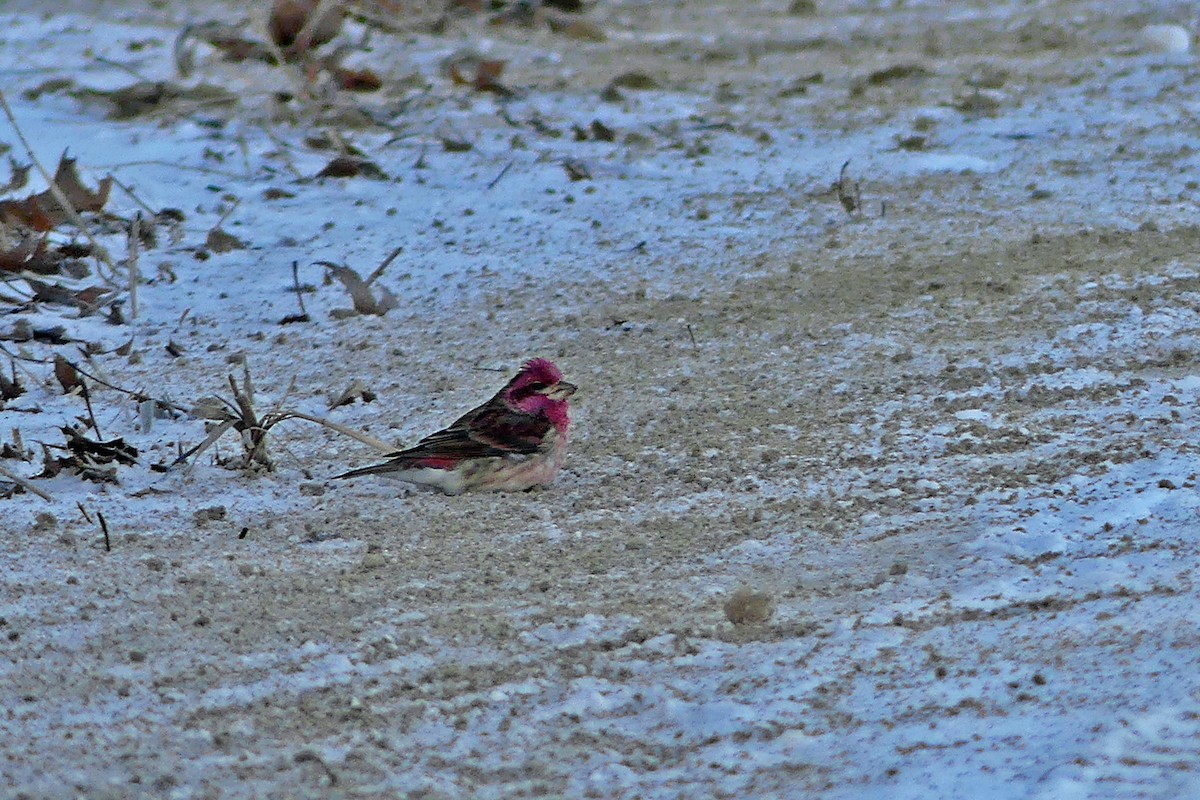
515	441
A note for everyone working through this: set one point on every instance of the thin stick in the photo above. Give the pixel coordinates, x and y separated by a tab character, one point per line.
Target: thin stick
131	264
83	511
692	336
237	201
379	270
87	400
284	150
109	62
24	484
55	189
136	395
503	172
129	191
104	527
296	284
366	439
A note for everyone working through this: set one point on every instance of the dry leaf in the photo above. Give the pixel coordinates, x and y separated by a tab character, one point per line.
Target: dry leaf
30	255
43	212
66	374
221	242
576	170
486	77
145	97
634	80
351	167
290	17
20	176
357	80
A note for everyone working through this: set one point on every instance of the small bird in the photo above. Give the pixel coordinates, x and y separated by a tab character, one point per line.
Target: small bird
515	441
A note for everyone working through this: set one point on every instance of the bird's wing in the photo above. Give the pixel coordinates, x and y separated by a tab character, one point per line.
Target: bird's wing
488	431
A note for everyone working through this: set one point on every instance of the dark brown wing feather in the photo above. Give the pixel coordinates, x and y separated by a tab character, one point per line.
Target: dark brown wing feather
489	431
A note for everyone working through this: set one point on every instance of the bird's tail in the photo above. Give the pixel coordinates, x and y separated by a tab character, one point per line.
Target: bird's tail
374	469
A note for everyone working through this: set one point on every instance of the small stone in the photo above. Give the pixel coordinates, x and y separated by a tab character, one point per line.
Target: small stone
1165	39
137	656
312	489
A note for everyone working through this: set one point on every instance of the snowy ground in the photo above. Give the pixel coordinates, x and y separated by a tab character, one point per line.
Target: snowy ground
951	437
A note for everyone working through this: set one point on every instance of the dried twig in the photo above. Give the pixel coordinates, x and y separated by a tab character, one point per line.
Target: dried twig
379	270
492	183
25	484
133	196
131	264
104	527
848	191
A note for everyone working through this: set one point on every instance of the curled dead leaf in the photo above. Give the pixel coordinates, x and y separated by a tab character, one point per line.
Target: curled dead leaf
44	211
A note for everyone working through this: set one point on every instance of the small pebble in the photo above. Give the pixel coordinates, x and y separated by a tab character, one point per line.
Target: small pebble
1166	39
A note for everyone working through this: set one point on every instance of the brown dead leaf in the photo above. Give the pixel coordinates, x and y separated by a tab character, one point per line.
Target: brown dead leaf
352	167
219	241
10	388
84	299
291	25
20	176
357	80
43	212
30	255
78	195
486	75
67	375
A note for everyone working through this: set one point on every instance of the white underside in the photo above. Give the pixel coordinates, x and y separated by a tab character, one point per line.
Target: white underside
508	474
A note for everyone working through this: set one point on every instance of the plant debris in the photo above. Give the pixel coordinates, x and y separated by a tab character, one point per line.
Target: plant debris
293	26
44	211
357	390
365	301
93	460
219	241
351	167
147	97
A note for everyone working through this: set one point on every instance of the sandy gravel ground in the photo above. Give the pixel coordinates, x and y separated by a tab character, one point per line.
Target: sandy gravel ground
950	437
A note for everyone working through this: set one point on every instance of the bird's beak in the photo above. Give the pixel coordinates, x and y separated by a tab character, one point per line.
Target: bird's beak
562	390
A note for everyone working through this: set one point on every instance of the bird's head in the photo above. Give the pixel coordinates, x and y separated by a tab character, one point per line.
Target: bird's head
539	389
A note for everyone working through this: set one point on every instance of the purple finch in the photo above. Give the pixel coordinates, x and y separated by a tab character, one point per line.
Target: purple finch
515	441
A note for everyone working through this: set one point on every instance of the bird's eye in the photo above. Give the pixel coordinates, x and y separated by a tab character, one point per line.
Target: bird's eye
536	386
